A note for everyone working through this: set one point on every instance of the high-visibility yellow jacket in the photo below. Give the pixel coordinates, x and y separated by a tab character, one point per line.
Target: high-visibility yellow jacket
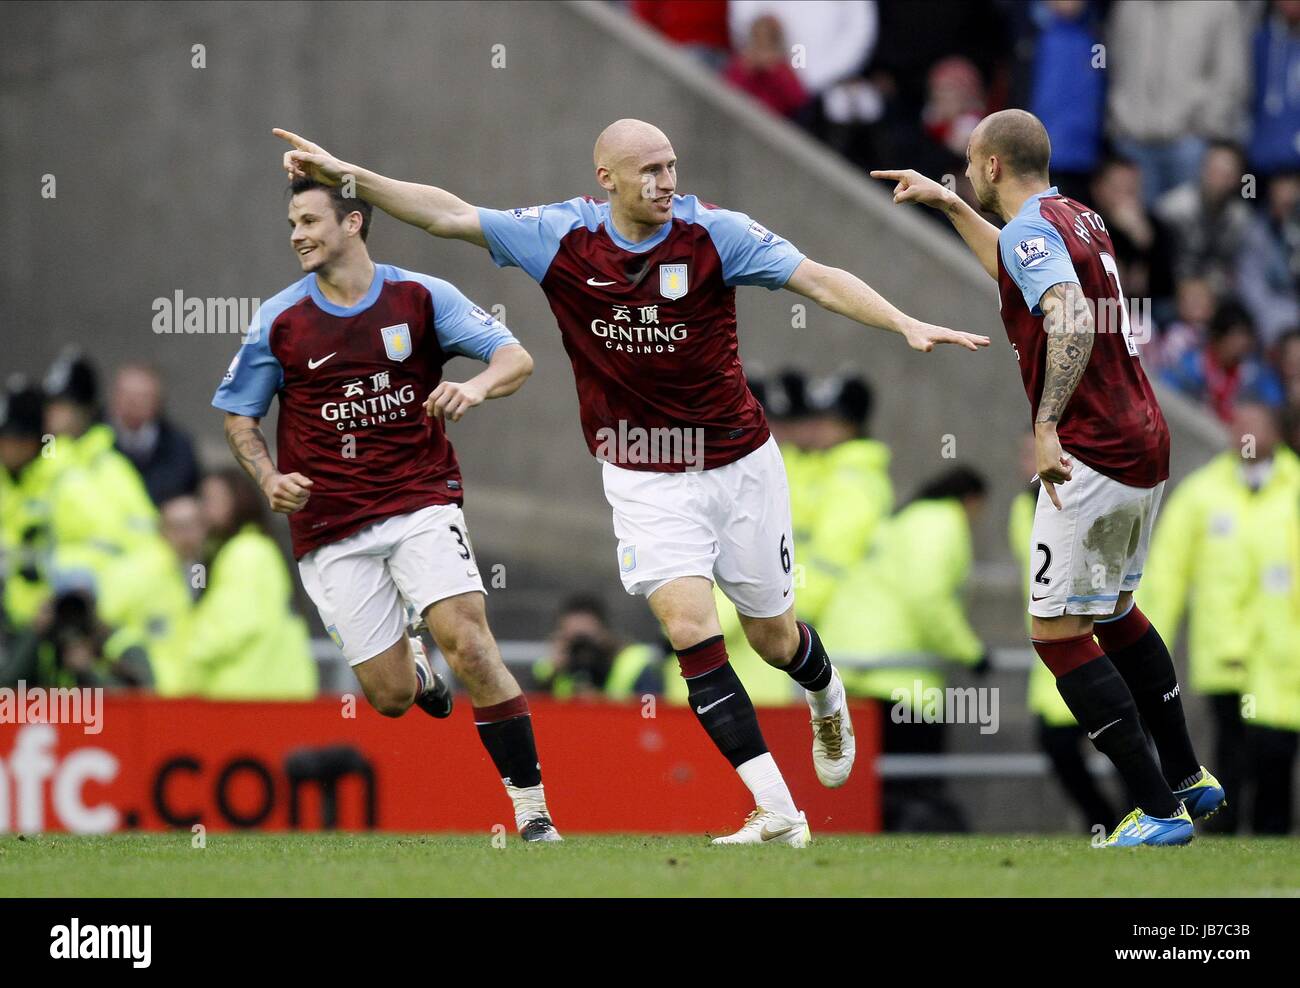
244	640
905	600
838	497
97	496
1229	559
25	541
1044	698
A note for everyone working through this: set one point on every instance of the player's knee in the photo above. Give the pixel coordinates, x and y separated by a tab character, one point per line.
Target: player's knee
391	700
470	651
774	641
685	632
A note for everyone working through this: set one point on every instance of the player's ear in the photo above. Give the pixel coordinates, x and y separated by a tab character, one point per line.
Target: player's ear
604	178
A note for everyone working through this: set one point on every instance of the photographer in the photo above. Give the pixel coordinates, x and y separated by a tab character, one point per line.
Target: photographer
69	645
587	659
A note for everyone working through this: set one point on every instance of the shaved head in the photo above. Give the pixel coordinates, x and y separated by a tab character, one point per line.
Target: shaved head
627	138
636	165
1017	139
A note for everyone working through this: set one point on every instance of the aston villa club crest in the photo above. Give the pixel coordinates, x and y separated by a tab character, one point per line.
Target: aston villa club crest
672	280
397	341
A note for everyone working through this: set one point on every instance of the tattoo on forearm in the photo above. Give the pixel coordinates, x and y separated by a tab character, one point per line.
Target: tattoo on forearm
1068	321
250	449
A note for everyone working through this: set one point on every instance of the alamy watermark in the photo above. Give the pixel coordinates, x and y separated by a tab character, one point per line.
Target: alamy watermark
921	704
636	445
39	705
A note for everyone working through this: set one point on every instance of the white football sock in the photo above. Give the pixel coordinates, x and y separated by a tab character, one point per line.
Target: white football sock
764	780
825	702
530	803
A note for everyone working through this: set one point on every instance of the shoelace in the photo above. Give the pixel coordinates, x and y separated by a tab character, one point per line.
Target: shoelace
828	733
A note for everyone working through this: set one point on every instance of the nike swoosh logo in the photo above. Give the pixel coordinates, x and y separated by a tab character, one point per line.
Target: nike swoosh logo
313	364
705	710
1037	599
600	284
766	834
1092	736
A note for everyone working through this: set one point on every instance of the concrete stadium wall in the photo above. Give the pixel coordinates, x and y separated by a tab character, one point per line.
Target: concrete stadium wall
168	181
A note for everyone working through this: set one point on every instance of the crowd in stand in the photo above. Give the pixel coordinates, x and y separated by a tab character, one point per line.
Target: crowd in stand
1178	121
121	565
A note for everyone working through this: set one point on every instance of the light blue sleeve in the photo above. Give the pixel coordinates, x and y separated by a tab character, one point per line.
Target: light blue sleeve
255	375
751	254
464	327
529	237
1036	257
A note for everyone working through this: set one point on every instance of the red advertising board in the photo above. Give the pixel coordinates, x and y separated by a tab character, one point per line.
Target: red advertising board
158	764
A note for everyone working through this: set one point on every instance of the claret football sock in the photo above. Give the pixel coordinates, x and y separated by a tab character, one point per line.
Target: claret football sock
506	730
1100	700
726	713
1139	653
811	668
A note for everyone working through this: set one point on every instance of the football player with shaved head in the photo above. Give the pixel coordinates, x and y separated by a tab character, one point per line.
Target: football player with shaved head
1102	451
642	286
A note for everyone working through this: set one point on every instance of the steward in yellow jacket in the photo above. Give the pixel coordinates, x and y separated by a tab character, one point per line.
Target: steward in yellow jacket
244	641
905	599
1226	553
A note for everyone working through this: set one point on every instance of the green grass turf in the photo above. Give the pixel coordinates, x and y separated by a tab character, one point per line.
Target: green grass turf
416	865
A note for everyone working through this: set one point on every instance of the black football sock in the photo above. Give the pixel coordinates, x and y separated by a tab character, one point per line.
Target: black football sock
1100	700
811	666
720	702
1139	653
506	730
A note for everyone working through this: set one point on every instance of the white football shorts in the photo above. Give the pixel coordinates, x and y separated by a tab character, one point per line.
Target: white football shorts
730	524
363	584
1094	548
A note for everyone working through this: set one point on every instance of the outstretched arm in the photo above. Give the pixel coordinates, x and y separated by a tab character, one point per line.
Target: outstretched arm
980	235
1071	331
504	375
286	492
848	295
433	210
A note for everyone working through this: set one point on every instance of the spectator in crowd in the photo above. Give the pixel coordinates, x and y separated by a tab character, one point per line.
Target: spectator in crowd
955	103
184	528
904	602
586	658
762	69
244	641
25	477
1226	553
1185	336
101	520
1275	112
1268	267
1207	218
1059	735
834	38
1069	89
1227	367
162	453
1141	242
1177	78
699	26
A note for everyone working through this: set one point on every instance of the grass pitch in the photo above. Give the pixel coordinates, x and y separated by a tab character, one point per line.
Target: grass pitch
640	866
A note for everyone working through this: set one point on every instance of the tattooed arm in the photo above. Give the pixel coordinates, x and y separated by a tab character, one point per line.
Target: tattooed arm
1070	328
286	492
